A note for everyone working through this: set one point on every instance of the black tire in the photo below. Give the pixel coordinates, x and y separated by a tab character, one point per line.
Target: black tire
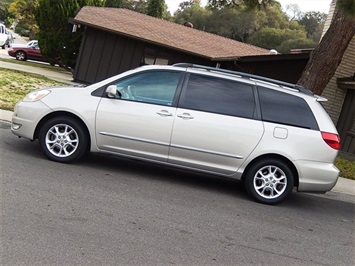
269	181
21	56
63	139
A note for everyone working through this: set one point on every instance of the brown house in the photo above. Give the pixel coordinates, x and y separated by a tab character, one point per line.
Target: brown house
117	39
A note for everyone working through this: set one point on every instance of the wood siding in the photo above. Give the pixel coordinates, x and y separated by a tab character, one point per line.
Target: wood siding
346	126
104	54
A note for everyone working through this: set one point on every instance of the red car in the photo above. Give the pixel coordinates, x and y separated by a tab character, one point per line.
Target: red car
29	51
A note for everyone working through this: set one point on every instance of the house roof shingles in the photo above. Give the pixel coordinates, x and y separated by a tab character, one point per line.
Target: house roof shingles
165	33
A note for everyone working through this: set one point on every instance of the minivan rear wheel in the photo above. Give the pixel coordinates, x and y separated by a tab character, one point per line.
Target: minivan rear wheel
269	181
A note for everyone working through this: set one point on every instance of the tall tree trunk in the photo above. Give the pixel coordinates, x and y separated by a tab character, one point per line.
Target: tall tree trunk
325	59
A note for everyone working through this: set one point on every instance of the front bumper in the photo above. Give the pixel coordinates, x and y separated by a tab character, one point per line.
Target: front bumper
11	53
316	176
26	117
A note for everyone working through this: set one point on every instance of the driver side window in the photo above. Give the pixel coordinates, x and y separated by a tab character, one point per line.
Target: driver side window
156	87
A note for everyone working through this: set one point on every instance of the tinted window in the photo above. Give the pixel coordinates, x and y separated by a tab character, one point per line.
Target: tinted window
285	109
217	95
156	87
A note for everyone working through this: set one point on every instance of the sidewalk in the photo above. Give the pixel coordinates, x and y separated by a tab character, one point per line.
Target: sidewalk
5	115
343	185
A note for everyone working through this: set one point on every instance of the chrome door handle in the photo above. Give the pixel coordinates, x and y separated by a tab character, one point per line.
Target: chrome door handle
164	113
185	116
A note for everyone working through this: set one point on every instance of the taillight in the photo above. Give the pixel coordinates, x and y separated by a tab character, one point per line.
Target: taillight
333	140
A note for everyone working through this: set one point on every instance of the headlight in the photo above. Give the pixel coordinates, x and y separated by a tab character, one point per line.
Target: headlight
36	95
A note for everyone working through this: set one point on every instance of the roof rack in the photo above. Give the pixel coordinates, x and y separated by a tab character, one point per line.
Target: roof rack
248	76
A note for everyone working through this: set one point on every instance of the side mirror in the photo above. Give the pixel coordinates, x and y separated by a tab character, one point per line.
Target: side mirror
112	92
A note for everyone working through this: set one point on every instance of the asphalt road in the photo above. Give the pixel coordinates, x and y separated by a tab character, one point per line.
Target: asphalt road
109	211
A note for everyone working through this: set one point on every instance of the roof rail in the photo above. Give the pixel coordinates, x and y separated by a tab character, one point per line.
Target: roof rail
248	76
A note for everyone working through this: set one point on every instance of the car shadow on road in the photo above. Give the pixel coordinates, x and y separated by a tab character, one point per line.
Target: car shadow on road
167	174
208	182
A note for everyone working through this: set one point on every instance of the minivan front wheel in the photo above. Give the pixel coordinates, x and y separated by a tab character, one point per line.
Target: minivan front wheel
63	139
269	181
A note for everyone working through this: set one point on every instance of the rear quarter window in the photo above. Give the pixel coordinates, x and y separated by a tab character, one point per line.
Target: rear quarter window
287	109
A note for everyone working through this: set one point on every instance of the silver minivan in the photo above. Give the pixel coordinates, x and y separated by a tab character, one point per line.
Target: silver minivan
272	135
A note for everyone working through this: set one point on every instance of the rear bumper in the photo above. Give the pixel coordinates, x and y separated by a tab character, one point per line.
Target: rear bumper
316	176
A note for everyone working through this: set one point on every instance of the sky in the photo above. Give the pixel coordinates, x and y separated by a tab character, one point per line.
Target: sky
305	5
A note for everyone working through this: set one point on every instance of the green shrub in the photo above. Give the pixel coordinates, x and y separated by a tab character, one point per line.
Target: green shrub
346	167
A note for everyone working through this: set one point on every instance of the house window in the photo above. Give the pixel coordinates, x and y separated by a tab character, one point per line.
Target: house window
154	57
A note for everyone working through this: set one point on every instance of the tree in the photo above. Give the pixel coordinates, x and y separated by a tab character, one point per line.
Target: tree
250	3
293	11
191	11
59	45
156	8
4	13
326	58
313	22
23	11
254	25
300	43
114	3
138	6
281	39
235	23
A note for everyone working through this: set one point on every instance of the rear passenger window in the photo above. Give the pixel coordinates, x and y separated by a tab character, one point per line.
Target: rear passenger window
219	96
283	108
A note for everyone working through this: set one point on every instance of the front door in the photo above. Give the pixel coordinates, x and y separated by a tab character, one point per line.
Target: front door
139	120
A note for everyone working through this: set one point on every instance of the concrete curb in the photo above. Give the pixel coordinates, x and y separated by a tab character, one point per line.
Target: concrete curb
5	115
343	185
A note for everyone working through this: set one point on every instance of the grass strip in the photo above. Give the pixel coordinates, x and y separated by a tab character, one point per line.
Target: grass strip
14	85
34	64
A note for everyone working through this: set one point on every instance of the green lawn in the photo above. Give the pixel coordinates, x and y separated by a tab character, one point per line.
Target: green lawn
346	167
14	85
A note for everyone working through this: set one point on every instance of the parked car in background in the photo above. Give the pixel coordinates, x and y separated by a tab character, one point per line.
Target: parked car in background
28	44
29	51
3	36
270	134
